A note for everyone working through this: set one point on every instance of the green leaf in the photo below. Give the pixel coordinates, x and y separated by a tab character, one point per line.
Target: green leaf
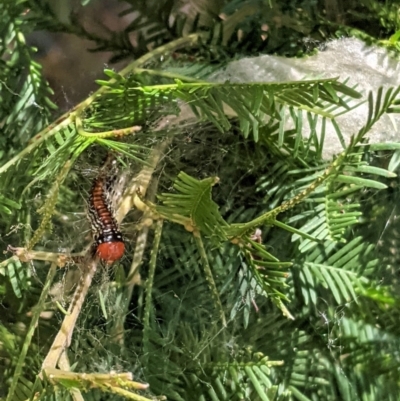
371	170
16	276
346	179
193	207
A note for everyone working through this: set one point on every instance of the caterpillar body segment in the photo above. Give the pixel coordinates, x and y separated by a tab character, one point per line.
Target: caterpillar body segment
109	243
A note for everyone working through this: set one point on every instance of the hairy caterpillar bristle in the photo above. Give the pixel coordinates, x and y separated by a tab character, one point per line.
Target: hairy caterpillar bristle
108	239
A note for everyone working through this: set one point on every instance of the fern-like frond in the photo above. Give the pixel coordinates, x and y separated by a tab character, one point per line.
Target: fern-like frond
332	217
339	271
25	95
255	104
193	207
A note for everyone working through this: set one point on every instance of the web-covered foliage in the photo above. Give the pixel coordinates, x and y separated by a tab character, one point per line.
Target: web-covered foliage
252	269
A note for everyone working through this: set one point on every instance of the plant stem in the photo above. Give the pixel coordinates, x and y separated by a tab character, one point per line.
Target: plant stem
63	337
209	277
35	318
149	287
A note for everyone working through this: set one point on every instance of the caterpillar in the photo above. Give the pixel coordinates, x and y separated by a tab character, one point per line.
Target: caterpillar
109	245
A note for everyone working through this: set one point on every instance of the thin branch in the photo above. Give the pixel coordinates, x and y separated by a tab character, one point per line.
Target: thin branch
209	277
64	335
141	181
64	364
149	288
35	318
111	382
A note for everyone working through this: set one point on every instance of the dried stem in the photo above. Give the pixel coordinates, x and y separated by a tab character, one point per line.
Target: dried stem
63	337
26	256
141	181
111	382
63	363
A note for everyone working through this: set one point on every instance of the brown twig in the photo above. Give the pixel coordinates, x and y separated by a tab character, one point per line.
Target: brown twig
25	255
141	181
63	363
63	337
111	382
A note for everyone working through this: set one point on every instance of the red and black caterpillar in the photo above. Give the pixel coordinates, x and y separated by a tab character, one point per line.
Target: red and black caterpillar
109	244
